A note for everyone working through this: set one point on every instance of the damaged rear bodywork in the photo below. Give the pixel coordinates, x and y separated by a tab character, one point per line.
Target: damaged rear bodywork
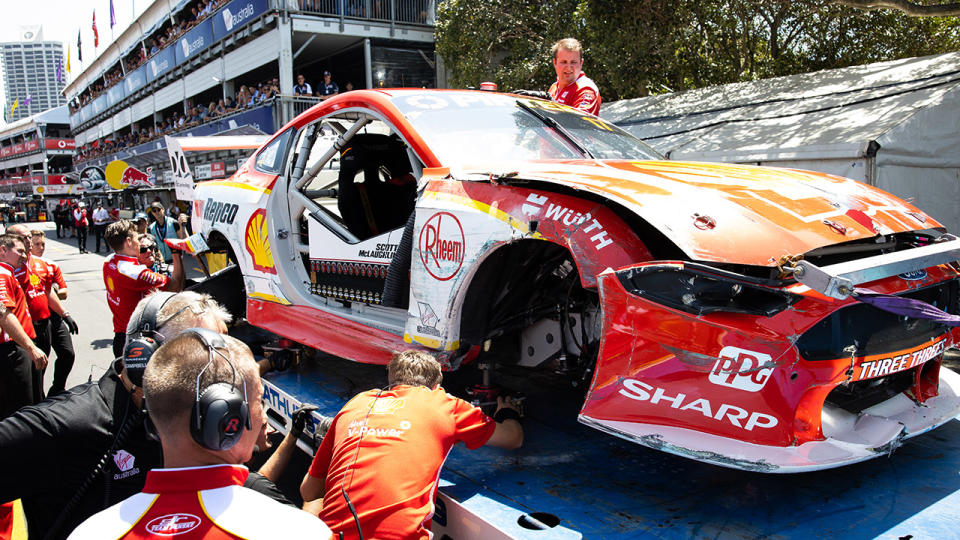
771	375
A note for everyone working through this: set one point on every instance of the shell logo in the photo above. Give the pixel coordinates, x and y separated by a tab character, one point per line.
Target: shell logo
34	280
40	189
385	405
110	284
258	244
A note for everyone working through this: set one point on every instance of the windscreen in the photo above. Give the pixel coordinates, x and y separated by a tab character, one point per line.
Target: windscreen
467	128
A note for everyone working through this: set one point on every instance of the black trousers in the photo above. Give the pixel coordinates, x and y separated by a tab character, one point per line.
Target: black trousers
42	341
119	340
62	344
16	379
82	238
98	231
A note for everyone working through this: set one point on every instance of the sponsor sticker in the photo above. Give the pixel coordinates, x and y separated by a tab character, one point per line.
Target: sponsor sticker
124	460
916	275
172	524
442	245
880	365
428	320
742	369
735	416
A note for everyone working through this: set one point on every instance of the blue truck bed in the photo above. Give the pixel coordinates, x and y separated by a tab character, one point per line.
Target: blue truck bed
598	486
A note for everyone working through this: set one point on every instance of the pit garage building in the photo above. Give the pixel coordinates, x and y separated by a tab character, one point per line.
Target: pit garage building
890	124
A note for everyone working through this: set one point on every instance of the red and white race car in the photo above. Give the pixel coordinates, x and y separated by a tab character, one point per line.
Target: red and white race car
719	312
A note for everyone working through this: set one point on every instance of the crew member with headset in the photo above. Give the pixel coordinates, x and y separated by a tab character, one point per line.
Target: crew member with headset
85	449
197	387
101	423
127	281
384	487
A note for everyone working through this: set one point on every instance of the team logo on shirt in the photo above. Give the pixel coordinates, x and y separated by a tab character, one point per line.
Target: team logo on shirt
34	280
124	460
110	284
172	524
387	405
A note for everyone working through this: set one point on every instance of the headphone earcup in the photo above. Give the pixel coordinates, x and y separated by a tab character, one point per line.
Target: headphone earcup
219	417
136	355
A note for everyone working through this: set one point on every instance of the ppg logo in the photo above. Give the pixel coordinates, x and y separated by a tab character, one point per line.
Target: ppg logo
742	369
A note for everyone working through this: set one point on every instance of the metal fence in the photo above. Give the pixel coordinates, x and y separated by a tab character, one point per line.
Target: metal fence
403	11
289	107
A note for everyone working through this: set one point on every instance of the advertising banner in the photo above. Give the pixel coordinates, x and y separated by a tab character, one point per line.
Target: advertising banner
260	118
65	189
236	15
115	94
99	105
161	63
59	144
194	41
182	179
135	80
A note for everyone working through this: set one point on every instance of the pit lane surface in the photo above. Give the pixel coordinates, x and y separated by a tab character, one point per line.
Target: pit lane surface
600	486
87	303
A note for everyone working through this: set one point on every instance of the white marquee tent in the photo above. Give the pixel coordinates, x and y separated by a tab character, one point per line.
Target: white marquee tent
895	125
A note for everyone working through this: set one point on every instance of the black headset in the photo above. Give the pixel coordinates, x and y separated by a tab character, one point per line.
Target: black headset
220	411
146	339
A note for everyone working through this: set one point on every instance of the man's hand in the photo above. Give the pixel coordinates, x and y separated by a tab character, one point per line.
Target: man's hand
298	420
71	324
37	357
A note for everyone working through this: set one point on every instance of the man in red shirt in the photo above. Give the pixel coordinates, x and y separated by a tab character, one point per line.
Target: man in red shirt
199	493
81	222
16	369
385	449
36	280
127	281
573	87
60	329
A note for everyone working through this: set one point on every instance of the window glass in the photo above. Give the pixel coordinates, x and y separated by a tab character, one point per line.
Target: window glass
270	159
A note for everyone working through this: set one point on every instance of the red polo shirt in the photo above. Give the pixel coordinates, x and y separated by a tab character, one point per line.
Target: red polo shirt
13	298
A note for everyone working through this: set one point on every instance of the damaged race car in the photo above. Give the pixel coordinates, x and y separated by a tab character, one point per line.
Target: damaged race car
758	318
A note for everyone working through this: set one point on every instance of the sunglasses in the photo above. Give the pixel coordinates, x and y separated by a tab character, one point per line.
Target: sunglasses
146	249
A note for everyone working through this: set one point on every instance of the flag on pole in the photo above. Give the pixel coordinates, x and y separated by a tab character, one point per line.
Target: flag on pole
96	35
68	58
79	48
16	103
27	101
113	16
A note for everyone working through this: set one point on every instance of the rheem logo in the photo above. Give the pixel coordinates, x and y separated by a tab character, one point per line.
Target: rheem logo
742	369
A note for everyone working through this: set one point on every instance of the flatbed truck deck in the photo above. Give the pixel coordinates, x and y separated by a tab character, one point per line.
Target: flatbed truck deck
571	481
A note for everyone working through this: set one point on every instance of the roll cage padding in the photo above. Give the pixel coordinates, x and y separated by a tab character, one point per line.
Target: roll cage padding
387	195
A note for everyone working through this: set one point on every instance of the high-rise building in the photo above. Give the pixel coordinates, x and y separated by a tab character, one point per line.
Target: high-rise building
30	74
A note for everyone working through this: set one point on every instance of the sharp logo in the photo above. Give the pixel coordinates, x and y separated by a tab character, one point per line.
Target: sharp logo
742	369
737	417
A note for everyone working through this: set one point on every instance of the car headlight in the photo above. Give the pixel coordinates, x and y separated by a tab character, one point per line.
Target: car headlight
699	289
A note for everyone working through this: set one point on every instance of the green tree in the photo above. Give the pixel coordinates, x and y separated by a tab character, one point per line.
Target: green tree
652	46
504	41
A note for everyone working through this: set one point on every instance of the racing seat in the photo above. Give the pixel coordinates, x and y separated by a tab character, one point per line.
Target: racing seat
386	196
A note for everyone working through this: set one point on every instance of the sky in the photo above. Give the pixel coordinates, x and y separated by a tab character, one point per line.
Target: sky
62	18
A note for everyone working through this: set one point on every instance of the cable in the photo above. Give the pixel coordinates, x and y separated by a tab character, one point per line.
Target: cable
118	441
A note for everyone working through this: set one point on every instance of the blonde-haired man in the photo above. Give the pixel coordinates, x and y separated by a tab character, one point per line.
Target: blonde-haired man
573	87
406	431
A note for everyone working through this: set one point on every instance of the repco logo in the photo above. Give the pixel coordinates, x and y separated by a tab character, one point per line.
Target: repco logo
215	211
172	524
742	369
441	245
